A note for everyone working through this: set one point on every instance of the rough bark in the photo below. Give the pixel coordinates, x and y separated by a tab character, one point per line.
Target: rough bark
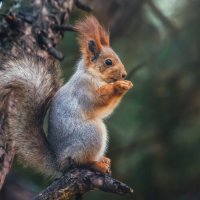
77	182
35	28
38	28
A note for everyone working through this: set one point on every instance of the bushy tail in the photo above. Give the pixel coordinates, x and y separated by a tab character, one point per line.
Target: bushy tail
27	85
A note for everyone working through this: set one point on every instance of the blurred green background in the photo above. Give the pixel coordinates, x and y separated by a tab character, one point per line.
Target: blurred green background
155	132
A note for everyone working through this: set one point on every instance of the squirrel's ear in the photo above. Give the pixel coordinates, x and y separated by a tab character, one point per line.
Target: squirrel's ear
92	37
93	49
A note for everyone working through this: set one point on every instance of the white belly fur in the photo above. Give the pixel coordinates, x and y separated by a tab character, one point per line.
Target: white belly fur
103	148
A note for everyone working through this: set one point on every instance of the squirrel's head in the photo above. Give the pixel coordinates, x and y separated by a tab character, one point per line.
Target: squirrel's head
98	56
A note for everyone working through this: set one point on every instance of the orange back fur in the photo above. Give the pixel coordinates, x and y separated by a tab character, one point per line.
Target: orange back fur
90	29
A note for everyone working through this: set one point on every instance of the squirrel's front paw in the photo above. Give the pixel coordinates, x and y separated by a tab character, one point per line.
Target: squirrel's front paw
122	86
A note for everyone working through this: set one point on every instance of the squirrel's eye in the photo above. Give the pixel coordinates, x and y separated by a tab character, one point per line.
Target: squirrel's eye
108	62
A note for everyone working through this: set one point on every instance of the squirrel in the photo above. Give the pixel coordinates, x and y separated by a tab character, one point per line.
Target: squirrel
30	86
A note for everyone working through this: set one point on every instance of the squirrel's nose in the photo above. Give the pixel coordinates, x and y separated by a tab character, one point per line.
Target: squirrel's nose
124	74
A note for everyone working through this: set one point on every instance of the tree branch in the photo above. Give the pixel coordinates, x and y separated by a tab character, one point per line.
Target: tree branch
78	181
169	24
83	6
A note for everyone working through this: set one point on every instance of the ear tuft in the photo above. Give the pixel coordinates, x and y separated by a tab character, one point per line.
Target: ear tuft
93	49
92	36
